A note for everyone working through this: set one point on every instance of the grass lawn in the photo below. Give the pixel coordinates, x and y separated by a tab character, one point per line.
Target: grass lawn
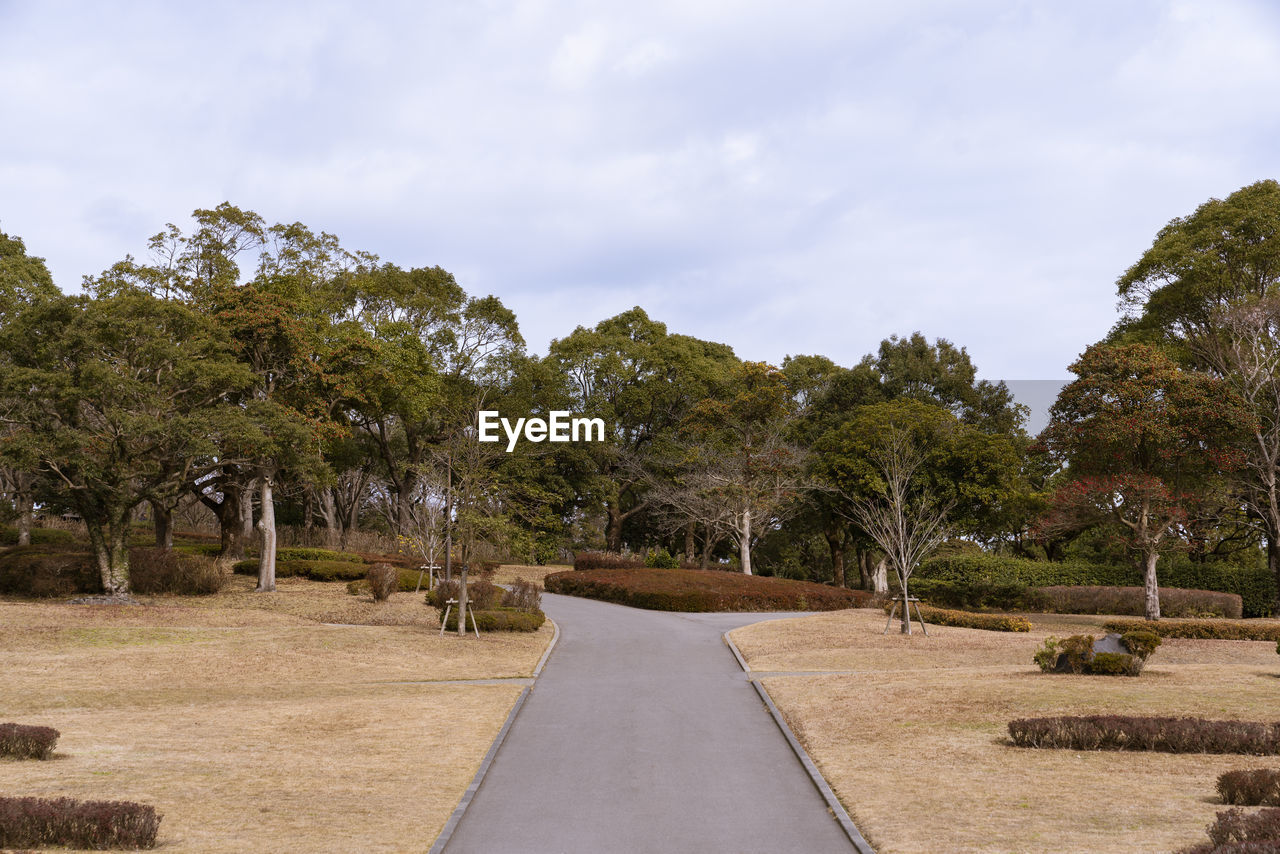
915	745
250	723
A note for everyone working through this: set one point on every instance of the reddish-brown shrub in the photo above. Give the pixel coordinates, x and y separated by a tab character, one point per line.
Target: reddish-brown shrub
698	590
1132	601
27	742
1250	787
1199	629
1239	832
46	822
1132	732
383	580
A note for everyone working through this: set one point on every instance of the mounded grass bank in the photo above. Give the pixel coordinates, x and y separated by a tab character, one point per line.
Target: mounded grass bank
696	590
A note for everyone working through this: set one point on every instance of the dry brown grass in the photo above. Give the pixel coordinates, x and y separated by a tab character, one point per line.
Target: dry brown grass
509	572
915	745
251	725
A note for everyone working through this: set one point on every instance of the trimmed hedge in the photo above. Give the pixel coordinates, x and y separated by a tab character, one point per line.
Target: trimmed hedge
49	570
1199	629
694	590
21	741
295	553
500	620
1132	601
1255	585
1239	832
39	536
1252	787
1132	732
978	594
970	620
316	570
70	823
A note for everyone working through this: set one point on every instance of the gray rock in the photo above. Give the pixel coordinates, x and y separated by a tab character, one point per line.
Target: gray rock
1109	643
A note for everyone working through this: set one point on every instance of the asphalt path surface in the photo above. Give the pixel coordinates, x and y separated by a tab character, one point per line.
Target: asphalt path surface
643	735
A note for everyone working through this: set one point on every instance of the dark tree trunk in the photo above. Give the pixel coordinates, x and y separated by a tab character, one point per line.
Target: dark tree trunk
613	530
1273	563
690	547
835	542
163	519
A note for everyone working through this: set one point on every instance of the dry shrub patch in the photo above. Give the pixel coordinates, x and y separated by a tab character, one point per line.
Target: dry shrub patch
77	824
1134	732
153	570
383	581
1250	787
523	596
21	741
1260	630
606	560
1238	832
693	590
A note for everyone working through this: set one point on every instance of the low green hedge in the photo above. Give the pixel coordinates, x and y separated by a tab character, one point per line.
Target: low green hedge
694	590
1199	629
1255	585
500	620
317	555
316	570
39	536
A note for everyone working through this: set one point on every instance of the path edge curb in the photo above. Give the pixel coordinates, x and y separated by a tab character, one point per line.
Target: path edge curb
815	776
460	810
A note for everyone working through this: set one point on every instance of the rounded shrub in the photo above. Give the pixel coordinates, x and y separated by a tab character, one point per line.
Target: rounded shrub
383	580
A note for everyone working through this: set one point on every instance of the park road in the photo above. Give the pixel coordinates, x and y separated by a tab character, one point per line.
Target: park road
643	735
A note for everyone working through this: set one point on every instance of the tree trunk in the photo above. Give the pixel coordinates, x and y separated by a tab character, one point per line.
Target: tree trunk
613	530
111	553
689	546
1152	590
880	577
246	511
267	533
329	512
462	601
835	543
25	510
906	607
404	502
744	544
162	517
1273	563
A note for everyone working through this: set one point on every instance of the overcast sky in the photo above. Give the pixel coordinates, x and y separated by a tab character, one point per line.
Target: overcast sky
787	178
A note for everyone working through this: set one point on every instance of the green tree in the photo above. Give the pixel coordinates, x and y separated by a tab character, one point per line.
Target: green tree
117	399
1142	441
1208	290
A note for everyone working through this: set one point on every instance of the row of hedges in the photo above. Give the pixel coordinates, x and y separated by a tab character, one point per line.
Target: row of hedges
1199	629
64	822
48	570
1254	585
693	590
1132	732
22	741
968	619
982	594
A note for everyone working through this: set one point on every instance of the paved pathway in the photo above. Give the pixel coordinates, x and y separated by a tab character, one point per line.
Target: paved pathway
643	735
